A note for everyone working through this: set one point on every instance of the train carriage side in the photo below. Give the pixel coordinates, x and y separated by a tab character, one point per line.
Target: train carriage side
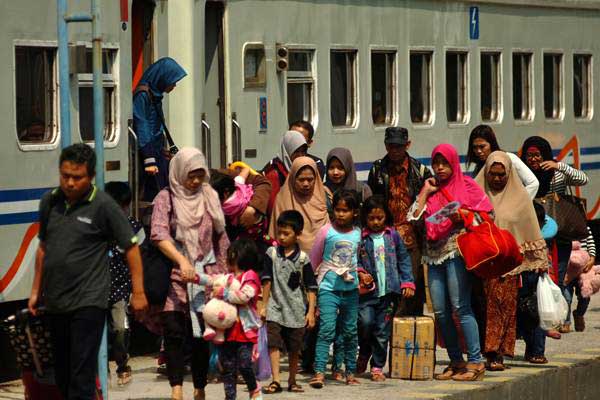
356	67
29	121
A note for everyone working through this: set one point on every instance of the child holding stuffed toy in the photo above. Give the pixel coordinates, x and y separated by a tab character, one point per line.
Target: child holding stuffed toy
334	257
235	354
288	283
385	274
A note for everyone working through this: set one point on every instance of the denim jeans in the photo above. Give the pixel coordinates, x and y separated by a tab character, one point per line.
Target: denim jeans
334	305
374	329
535	338
450	288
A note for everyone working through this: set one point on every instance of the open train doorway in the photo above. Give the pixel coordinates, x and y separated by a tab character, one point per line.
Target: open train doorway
213	115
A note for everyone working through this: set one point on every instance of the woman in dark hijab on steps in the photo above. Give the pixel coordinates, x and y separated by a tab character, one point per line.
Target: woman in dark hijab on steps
149	123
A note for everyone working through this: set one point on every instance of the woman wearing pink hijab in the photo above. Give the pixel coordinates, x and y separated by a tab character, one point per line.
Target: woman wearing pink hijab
449	281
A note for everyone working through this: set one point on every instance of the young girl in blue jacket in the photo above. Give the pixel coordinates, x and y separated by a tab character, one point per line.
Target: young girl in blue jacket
384	257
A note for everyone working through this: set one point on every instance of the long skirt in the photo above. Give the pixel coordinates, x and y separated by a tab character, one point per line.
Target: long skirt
501	315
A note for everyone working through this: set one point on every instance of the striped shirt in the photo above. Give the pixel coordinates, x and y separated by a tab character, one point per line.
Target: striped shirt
588	244
565	176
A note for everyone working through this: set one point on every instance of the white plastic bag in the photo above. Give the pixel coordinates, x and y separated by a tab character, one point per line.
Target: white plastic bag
552	306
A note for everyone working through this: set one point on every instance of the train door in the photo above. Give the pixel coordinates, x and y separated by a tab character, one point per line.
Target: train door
213	115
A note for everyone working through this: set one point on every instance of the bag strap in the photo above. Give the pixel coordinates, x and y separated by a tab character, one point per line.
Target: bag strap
146	89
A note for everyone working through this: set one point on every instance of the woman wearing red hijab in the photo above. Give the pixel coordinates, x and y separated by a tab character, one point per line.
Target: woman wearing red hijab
449	281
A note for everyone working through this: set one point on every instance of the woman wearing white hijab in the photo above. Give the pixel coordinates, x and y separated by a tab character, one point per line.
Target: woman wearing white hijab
188	226
293	145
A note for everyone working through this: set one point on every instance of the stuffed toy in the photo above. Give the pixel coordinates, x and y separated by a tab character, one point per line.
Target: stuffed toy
577	262
590	282
218	314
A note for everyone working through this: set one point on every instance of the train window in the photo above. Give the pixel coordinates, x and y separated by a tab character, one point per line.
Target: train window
522	86
254	67
383	86
421	84
582	85
86	97
300	86
553	84
35	81
343	87
456	87
490	86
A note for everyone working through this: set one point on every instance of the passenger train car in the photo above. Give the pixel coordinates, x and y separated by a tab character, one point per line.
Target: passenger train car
351	67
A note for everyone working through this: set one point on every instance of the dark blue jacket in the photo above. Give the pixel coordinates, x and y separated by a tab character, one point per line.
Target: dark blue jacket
398	265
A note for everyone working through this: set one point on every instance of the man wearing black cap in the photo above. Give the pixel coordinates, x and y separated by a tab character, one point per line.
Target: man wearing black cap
399	178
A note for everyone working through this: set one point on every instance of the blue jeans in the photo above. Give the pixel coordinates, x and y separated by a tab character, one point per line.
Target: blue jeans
374	329
450	288
330	302
534	337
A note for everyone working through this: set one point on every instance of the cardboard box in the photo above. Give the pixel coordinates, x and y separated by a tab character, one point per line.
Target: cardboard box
413	329
413	348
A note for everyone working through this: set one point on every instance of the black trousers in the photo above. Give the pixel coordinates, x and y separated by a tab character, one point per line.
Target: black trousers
176	327
76	340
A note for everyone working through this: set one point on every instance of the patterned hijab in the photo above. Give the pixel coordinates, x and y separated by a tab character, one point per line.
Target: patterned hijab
190	206
312	208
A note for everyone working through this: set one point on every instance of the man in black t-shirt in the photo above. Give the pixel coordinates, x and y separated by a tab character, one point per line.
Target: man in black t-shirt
72	280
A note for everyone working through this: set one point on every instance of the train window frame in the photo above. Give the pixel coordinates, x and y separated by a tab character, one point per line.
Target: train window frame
391	116
560	113
109	81
259	80
590	86
499	109
423	50
530	53
352	96
304	78
466	87
54	138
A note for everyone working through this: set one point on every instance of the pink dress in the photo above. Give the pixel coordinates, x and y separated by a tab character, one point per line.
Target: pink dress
235	205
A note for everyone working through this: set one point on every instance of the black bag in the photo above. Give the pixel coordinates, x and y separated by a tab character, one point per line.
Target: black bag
157	271
527	311
569	213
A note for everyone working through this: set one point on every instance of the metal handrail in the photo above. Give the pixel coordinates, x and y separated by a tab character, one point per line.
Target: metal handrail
236	139
206	142
133	173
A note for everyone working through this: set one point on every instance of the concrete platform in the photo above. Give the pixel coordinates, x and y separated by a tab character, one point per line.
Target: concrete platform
573	373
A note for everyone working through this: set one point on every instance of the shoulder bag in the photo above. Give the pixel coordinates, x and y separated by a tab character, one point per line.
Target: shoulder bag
488	251
569	213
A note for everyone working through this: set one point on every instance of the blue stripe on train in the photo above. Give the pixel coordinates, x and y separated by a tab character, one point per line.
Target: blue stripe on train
19	218
22	194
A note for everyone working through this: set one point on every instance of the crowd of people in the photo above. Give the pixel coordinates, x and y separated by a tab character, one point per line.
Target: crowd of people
320	258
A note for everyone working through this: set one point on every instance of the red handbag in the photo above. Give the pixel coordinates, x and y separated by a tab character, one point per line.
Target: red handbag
488	251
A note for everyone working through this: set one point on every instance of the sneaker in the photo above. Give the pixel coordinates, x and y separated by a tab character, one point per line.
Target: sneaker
579	323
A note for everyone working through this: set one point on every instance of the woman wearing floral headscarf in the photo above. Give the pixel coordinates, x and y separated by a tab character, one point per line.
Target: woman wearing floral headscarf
449	281
188	226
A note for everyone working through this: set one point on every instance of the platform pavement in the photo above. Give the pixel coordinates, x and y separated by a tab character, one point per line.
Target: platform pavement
572	373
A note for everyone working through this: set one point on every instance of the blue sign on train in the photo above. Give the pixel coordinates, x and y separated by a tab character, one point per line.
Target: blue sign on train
474	23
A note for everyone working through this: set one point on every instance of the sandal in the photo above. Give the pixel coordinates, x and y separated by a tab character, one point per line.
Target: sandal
495	366
317	381
537	359
450	371
377	376
199	394
474	372
351	380
295	388
337	376
123	378
274	387
256	395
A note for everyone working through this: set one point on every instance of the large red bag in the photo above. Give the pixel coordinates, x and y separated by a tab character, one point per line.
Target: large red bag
488	251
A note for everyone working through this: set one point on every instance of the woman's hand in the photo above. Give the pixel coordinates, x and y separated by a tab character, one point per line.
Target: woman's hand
589	264
430	187
459	216
188	273
152	170
407	293
549	165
